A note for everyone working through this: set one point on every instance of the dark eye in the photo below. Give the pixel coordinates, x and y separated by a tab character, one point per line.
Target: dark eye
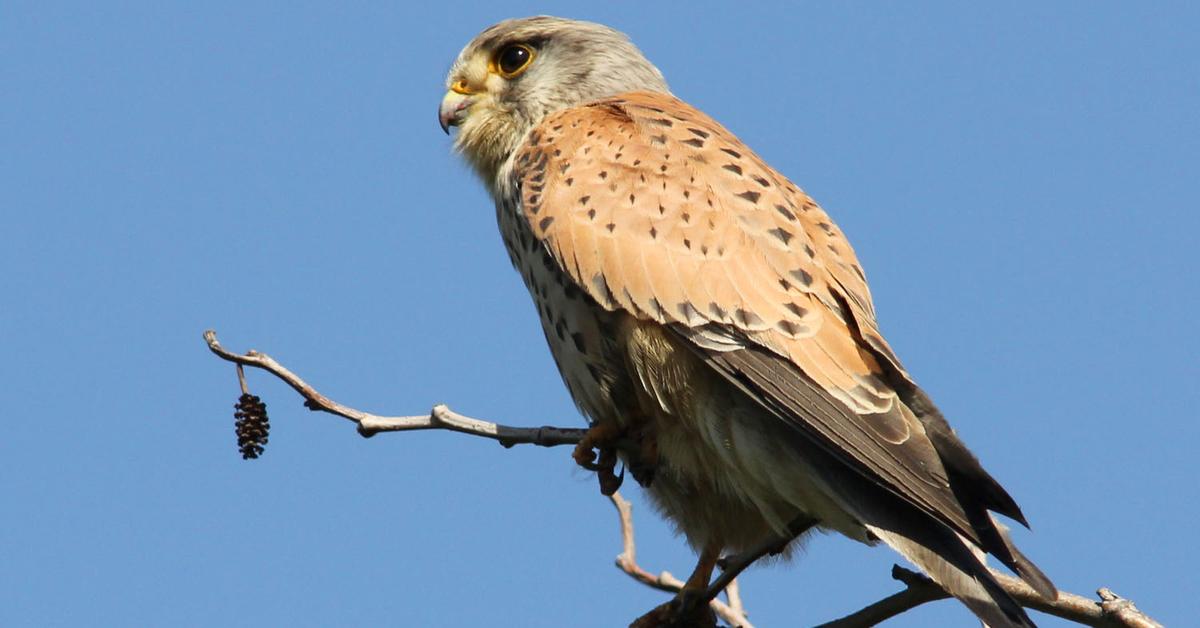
512	60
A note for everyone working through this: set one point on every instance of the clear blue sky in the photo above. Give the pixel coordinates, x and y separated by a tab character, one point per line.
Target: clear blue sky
1020	184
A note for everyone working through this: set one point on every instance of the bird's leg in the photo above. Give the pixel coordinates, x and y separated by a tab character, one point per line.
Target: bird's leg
602	437
732	566
689	608
693	592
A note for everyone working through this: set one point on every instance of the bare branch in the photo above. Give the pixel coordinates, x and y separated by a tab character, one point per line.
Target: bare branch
733	613
439	418
1110	612
1122	611
919	591
733	593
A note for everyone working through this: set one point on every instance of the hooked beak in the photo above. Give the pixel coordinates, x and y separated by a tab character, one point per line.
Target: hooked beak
453	109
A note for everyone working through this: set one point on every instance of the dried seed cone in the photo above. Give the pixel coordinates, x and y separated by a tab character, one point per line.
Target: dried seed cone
251	425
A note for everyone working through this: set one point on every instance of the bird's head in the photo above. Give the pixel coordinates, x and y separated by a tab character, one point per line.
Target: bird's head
515	73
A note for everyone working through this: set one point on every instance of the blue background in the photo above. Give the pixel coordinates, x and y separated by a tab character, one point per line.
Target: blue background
1019	182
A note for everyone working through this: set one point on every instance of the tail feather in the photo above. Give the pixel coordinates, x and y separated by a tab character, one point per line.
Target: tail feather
977	491
1024	568
952	561
995	540
949	561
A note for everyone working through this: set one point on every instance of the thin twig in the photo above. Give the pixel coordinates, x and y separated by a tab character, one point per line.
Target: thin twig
439	418
733	613
919	591
242	380
1111	611
733	593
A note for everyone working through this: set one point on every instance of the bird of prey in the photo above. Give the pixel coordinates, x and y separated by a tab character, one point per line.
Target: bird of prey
711	321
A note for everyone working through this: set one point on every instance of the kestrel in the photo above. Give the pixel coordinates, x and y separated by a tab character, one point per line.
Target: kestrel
711	321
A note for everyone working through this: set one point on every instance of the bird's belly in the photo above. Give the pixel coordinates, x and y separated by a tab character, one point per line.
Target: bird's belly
578	332
733	479
725	472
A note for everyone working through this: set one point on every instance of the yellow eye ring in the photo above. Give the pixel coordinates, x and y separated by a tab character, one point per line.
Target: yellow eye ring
512	60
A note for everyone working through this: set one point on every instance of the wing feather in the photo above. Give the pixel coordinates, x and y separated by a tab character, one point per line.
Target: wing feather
653	208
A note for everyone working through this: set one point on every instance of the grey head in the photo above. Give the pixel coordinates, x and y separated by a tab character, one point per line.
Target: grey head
516	72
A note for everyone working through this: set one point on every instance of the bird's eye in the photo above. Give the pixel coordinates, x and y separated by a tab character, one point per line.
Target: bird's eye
512	60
